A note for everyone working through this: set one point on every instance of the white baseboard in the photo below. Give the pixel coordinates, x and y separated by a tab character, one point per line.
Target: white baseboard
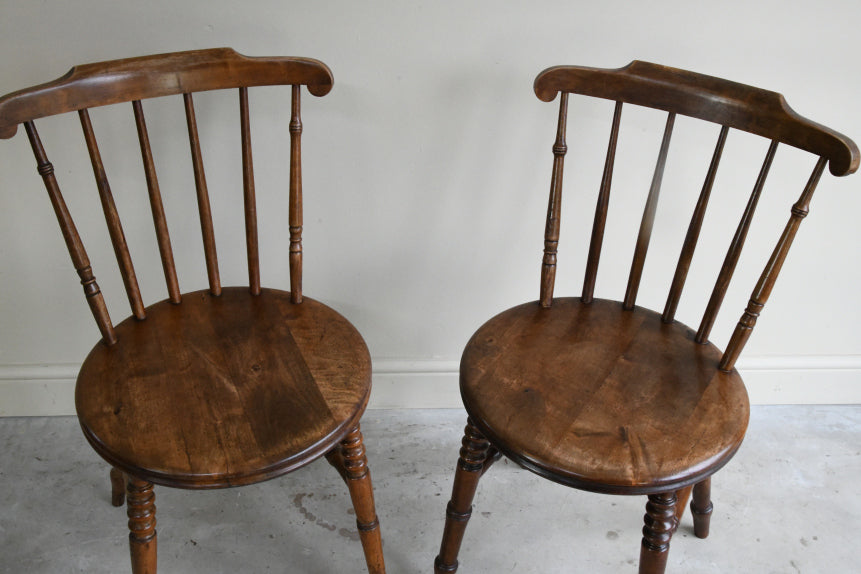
48	390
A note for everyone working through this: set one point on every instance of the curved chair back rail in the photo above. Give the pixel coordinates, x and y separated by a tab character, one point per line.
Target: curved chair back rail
133	80
130	79
727	103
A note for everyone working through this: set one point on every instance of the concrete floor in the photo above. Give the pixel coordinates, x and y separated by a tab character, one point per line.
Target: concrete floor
790	502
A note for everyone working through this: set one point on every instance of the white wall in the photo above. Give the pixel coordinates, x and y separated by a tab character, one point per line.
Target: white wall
426	175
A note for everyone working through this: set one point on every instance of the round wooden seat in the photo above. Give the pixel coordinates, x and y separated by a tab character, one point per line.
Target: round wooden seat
222	391
603	399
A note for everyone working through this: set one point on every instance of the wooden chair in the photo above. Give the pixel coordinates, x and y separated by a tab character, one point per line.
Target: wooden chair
607	396
221	387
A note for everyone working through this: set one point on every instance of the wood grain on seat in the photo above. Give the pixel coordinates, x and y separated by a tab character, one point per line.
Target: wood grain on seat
241	388
602	398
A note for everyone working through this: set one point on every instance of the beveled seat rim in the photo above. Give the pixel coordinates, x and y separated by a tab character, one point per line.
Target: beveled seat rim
205	481
568	477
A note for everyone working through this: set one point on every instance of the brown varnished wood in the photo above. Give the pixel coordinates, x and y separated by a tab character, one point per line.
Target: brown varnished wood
118	487
352	464
766	282
660	522
243	388
112	218
693	233
143	540
215	388
734	250
601	210
206	227
80	261
603	399
554	208
249	195
295	199
648	220
607	396
117	81
159	221
727	103
471	465
701	507
682	496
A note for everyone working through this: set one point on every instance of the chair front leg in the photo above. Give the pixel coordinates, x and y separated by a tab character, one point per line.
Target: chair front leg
471	464
352	464
660	524
140	500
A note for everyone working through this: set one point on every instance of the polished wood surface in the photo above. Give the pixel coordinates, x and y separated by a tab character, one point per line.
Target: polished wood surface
214	388
131	79
723	102
243	388
602	399
608	396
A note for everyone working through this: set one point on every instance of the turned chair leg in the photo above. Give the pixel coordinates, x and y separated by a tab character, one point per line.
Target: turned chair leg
660	524
352	464
682	497
471	464
142	535
118	487
701	507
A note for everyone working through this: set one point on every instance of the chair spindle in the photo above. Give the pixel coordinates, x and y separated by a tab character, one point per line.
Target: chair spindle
554	207
202	199
157	207
295	216
601	210
73	241
693	233
112	218
648	220
763	288
249	195
734	251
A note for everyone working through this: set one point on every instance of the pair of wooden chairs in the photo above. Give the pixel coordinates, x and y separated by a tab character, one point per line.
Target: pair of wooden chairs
230	386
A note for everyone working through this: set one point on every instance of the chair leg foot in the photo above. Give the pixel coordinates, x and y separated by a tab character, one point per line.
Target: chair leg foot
660	524
470	466
352	464
142	535
701	507
118	487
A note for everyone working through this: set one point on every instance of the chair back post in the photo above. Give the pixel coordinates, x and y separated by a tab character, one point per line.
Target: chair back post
73	241
648	221
295	206
601	210
156	206
112	218
249	195
766	282
554	207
